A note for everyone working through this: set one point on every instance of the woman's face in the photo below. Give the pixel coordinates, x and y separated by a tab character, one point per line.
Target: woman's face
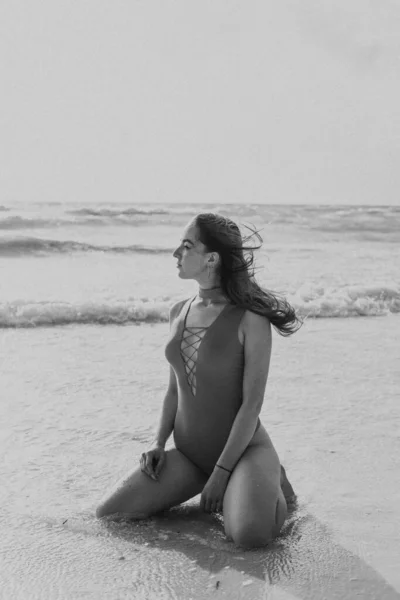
190	254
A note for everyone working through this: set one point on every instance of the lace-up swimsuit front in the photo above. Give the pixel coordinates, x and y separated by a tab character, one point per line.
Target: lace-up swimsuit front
208	363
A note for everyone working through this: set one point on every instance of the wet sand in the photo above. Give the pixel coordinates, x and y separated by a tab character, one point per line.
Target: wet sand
78	406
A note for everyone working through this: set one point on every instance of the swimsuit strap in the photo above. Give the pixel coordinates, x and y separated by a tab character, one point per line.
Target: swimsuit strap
187	312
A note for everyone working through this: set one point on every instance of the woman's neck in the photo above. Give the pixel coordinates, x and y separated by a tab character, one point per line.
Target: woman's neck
211	295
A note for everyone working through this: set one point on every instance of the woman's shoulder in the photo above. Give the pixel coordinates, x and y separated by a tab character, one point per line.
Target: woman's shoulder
176	308
250	323
252	320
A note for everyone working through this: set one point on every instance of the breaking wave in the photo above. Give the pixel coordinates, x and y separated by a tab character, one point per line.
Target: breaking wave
16	222
108	212
345	302
39	247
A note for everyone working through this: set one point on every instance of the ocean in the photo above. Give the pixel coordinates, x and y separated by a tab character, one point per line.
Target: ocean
85	291
113	264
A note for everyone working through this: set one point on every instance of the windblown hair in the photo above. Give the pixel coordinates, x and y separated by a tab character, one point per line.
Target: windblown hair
221	234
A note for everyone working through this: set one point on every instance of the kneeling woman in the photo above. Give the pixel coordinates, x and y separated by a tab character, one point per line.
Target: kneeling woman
219	352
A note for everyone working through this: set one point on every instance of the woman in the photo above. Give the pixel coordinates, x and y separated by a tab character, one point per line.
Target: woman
219	351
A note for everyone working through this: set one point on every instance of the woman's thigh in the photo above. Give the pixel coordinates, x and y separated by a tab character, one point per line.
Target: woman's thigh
254	506
138	496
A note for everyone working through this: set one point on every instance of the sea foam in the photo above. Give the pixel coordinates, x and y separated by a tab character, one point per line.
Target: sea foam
345	302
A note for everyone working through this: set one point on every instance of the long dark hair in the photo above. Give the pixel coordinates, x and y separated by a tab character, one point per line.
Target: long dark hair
221	234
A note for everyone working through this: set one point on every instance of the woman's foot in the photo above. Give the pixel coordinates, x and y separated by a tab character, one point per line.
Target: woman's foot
286	487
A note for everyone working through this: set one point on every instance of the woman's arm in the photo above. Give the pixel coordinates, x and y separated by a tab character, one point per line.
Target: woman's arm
168	412
257	354
170	404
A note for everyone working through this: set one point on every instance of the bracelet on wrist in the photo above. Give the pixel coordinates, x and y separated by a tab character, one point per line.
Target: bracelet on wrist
223	468
159	445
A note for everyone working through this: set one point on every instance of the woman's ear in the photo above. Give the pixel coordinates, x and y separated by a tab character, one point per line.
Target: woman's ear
213	260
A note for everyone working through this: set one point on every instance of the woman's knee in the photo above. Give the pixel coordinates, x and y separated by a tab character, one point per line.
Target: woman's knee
106	508
252	534
111	506
104	511
136	496
254	531
122	501
100	511
247	537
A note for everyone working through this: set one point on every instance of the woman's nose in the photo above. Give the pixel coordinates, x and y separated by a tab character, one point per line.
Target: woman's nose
175	254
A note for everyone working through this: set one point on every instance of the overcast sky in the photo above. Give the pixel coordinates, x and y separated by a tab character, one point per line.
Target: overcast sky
184	101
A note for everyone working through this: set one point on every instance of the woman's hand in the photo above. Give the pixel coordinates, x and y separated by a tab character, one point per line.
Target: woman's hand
152	461
212	496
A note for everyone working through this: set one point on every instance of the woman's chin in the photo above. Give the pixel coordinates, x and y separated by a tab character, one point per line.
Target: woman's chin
181	274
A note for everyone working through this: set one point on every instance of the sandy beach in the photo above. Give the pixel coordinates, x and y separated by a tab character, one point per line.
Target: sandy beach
120	123
80	404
